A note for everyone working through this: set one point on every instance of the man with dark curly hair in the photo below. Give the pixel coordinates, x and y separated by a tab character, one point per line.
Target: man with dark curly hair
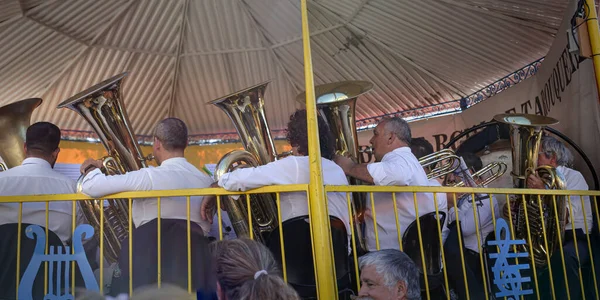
291	170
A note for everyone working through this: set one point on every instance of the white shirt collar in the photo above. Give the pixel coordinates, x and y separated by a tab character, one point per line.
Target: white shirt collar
173	160
398	150
402	149
37	161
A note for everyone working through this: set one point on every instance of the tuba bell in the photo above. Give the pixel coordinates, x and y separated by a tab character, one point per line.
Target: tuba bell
246	110
336	102
101	106
14	121
525	135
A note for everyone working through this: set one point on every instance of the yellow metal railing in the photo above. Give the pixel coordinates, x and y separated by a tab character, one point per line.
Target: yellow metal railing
187	193
323	227
453	191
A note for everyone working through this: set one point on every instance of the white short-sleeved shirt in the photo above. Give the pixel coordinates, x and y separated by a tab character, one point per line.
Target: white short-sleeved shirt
292	170
575	181
397	168
173	173
35	176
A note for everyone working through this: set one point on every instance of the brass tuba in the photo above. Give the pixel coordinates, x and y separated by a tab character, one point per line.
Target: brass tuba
246	110
14	121
336	102
101	106
525	136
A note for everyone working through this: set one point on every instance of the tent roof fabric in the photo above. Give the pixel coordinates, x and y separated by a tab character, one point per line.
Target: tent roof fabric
181	54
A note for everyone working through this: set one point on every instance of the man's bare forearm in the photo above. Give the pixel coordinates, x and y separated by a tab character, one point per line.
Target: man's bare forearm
360	171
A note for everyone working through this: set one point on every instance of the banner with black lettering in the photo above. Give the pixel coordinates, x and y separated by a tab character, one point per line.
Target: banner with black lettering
438	131
563	88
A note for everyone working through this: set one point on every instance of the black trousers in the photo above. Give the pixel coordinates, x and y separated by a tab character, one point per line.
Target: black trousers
174	262
455	270
572	265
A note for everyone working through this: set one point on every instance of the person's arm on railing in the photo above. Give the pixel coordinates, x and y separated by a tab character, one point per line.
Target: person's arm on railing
96	185
282	171
278	172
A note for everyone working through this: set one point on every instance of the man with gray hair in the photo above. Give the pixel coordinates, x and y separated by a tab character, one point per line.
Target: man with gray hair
394	165
388	275
579	222
173	172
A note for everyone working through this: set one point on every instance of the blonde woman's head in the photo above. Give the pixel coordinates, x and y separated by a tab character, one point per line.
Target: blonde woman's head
246	270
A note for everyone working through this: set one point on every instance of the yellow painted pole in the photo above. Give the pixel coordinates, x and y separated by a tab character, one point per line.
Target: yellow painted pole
592	26
318	208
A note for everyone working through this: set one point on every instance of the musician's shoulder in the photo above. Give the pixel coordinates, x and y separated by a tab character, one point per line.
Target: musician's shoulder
574	179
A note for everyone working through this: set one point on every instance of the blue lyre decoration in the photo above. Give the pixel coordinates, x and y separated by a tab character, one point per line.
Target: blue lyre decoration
58	258
507	277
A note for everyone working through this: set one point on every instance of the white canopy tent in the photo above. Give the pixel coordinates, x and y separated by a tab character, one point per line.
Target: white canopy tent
421	56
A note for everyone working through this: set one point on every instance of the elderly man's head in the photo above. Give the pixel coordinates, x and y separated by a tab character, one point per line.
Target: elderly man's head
389	134
554	153
388	274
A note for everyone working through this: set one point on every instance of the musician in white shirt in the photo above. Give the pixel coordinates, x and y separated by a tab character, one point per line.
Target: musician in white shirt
471	221
579	216
483	211
36	176
292	170
173	172
395	165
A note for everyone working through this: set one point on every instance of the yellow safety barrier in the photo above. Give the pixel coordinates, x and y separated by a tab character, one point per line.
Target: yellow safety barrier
187	193
492	193
323	227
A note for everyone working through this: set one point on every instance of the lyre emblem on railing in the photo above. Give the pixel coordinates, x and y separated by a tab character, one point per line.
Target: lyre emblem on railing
58	257
507	276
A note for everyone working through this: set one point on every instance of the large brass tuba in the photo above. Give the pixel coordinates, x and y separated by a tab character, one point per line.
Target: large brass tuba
336	102
101	106
246	110
525	136
14	121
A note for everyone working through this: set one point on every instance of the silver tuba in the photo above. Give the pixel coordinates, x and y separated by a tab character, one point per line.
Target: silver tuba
246	110
101	106
336	102
14	121
525	136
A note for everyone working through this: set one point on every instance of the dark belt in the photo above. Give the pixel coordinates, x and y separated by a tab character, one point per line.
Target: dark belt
579	234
